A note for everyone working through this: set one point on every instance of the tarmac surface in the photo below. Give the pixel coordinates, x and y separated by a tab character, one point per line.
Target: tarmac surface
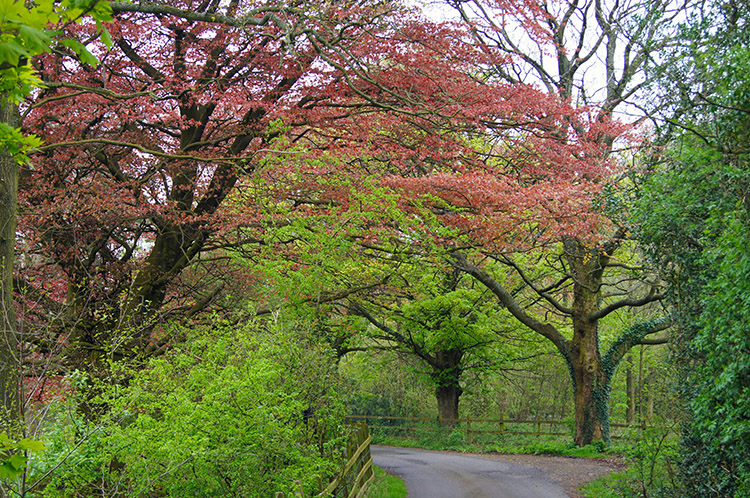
435	474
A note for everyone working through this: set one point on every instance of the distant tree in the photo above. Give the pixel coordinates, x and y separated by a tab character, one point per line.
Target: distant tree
441	320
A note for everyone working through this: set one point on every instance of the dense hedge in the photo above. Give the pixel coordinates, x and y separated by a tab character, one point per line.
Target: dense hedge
231	411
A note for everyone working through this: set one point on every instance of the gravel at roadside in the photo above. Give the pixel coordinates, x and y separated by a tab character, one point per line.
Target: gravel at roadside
571	473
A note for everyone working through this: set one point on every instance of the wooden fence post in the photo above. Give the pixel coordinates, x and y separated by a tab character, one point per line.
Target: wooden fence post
301	491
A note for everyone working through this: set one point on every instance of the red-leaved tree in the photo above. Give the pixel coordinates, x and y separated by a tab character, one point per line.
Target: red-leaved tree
153	158
536	206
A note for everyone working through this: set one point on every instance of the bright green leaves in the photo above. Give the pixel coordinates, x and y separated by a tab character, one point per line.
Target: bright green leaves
16	143
13	463
24	31
449	320
221	414
81	51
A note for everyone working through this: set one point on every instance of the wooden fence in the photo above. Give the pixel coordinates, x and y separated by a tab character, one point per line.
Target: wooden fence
472	427
356	474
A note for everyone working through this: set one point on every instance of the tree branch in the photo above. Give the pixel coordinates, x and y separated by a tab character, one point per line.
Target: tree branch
460	262
633	303
541	292
251	18
634	336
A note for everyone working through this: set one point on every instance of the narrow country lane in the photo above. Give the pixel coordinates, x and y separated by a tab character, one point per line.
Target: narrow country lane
435	474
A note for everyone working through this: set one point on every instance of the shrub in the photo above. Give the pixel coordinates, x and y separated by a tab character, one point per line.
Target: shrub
229	412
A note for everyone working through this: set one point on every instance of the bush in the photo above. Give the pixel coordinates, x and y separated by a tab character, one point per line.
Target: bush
229	412
652	456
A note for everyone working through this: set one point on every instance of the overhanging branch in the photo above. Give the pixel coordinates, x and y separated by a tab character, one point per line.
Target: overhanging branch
632	303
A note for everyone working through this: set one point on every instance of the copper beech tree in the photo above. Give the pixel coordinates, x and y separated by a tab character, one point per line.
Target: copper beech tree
536	206
524	192
151	159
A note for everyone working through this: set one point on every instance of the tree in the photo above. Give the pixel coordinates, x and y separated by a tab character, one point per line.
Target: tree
144	151
558	173
25	33
446	324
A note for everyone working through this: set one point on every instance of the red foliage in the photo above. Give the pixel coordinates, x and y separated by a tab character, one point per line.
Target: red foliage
143	151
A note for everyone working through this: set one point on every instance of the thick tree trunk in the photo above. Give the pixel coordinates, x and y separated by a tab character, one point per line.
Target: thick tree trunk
630	391
591	405
447	401
590	381
650	397
446	372
591	385
9	360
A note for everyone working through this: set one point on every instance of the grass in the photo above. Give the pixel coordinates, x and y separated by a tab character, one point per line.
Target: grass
508	444
386	486
605	487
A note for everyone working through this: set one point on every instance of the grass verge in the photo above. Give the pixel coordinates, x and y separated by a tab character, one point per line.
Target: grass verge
386	486
509	445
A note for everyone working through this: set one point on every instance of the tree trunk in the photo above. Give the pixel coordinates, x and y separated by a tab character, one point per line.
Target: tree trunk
650	397
446	372
591	405
630	391
447	402
641	379
591	385
10	377
590	381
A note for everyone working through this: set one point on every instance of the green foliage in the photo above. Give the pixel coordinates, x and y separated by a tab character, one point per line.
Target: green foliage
720	431
652	456
696	221
13	458
16	143
447	320
220	415
26	30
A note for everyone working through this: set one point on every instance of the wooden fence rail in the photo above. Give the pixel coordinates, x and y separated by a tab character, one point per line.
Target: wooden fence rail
532	427
356	474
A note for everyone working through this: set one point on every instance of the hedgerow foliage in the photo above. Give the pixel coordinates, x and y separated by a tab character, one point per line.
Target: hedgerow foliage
234	410
695	218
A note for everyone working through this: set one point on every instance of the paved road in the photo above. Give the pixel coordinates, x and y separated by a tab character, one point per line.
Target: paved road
434	474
